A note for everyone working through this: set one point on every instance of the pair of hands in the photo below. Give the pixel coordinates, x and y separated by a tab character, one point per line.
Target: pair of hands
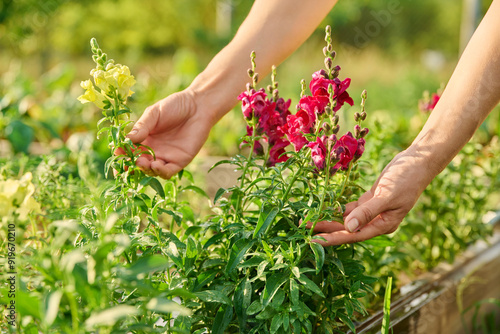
176	128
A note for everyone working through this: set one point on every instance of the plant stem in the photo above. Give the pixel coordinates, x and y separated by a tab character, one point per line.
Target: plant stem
245	168
346	179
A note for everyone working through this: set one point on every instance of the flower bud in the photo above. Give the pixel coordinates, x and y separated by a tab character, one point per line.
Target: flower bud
323	73
357	116
269	88
325	51
255	77
333	54
275	94
328	30
363	94
335	119
93	44
336	129
327	127
250	72
364	132
336	71
328	63
249	86
328	110
357	130
363	115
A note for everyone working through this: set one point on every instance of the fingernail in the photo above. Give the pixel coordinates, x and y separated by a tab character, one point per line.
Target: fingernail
352	225
133	132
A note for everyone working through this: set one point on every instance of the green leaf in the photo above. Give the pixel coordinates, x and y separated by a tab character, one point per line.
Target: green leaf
294	292
166	306
147	264
310	285
319	255
109	162
238	251
173	254
286	321
267	215
220	163
276	323
387	308
255	307
191	250
213	296
273	283
296	272
338	263
380	241
197	190
214	239
27	304
222	319
155	184
52	306
241	300
253	261
347	321
20	135
110	316
219	193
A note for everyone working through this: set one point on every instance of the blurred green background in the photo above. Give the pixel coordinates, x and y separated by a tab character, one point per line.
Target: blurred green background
396	49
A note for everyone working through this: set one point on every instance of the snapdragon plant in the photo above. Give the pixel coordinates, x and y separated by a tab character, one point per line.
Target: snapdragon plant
266	273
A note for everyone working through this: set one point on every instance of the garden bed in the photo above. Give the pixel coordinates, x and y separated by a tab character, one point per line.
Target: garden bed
440	301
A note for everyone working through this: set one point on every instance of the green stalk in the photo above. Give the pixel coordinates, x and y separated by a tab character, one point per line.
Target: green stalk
346	179
74	312
245	168
294	178
325	189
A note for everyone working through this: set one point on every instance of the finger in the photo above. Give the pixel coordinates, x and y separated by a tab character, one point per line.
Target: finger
165	170
377	227
144	162
146	123
119	151
349	207
365	213
326	226
361	200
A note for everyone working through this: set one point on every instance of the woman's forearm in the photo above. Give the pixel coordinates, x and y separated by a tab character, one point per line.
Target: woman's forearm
472	92
273	29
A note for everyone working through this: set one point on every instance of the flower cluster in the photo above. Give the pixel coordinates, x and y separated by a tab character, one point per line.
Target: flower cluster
314	125
112	81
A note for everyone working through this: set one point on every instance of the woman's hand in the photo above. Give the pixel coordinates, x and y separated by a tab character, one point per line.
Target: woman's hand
175	128
381	209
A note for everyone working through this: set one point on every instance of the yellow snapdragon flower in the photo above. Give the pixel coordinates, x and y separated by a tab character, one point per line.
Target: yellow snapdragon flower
91	94
16	197
114	77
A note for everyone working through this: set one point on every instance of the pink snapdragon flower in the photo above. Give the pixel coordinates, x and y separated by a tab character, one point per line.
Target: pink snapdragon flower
253	102
314	104
273	118
319	152
276	152
345	150
297	125
319	87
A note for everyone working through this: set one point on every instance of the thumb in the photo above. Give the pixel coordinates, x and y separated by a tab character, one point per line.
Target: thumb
365	213
143	126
